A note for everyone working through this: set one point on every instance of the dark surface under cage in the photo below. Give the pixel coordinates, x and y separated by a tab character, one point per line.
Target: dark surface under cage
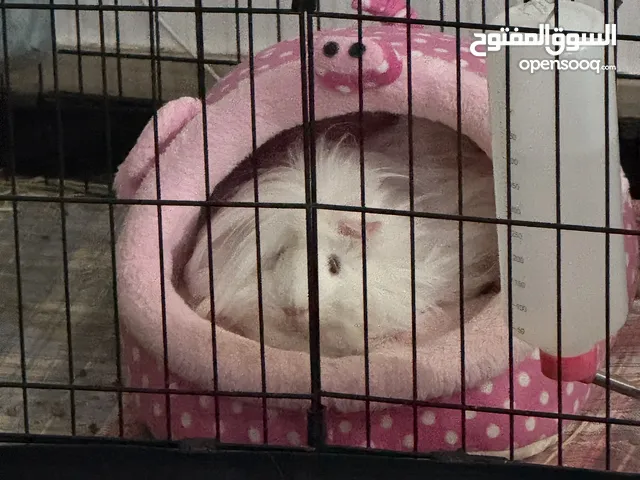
135	462
35	151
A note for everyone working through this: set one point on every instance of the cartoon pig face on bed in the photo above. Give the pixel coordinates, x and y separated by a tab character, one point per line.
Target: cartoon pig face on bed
337	59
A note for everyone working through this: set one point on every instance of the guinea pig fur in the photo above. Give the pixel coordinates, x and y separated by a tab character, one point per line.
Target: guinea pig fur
283	242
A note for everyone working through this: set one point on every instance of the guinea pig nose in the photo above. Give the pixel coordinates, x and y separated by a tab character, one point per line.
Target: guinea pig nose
330	49
357	50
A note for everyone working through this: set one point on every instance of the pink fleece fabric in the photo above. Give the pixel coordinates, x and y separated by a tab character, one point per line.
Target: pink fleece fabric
278	107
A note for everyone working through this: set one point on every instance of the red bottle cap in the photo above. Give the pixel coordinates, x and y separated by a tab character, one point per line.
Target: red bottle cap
582	368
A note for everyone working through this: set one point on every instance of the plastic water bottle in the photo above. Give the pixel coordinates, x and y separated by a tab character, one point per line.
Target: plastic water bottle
534	252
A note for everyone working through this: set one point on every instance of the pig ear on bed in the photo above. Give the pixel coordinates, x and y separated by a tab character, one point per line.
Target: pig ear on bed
172	117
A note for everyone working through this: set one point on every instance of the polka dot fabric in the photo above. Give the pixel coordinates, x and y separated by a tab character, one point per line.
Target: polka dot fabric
441	428
438	428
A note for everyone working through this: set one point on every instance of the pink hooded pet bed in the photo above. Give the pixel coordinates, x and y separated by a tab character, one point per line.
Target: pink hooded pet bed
189	337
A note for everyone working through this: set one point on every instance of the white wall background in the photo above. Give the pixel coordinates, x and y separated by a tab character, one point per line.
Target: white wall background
220	29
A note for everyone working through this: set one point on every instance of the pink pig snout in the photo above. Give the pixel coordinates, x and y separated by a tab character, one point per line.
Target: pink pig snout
337	60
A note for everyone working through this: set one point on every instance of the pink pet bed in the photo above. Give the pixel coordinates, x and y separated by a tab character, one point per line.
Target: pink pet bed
189	337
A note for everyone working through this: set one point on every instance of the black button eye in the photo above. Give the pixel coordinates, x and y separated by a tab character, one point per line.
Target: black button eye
330	49
334	265
357	50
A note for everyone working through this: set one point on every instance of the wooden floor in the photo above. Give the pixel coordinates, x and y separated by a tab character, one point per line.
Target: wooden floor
56	323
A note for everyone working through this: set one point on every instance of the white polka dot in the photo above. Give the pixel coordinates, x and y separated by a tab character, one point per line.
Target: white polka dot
135	353
524	379
482	61
487	388
225	87
536	354
428	418
386	422
493	431
416	54
185	419
419	40
370	84
507	404
263	67
145	381
530	424
451	437
441	50
343	89
236	407
268	53
173	386
407	441
157	410
383	67
543	436
464	49
293	438
544	397
330	435
576	406
204	401
136	399
397	44
570	387
464	64
286	54
470	414
254	435
345	426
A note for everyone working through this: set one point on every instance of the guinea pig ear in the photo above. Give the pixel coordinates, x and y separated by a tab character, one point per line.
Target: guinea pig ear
352	228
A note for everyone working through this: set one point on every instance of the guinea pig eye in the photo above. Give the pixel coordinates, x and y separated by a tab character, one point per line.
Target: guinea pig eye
334	265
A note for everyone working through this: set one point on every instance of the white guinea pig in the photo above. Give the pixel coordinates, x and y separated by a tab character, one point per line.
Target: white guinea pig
283	244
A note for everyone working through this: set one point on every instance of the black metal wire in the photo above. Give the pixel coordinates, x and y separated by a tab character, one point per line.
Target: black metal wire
8	150
607	266
508	138
118	52
254	146
112	235
412	235
463	375
155	96
63	219
207	183
365	304
315	420
556	14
